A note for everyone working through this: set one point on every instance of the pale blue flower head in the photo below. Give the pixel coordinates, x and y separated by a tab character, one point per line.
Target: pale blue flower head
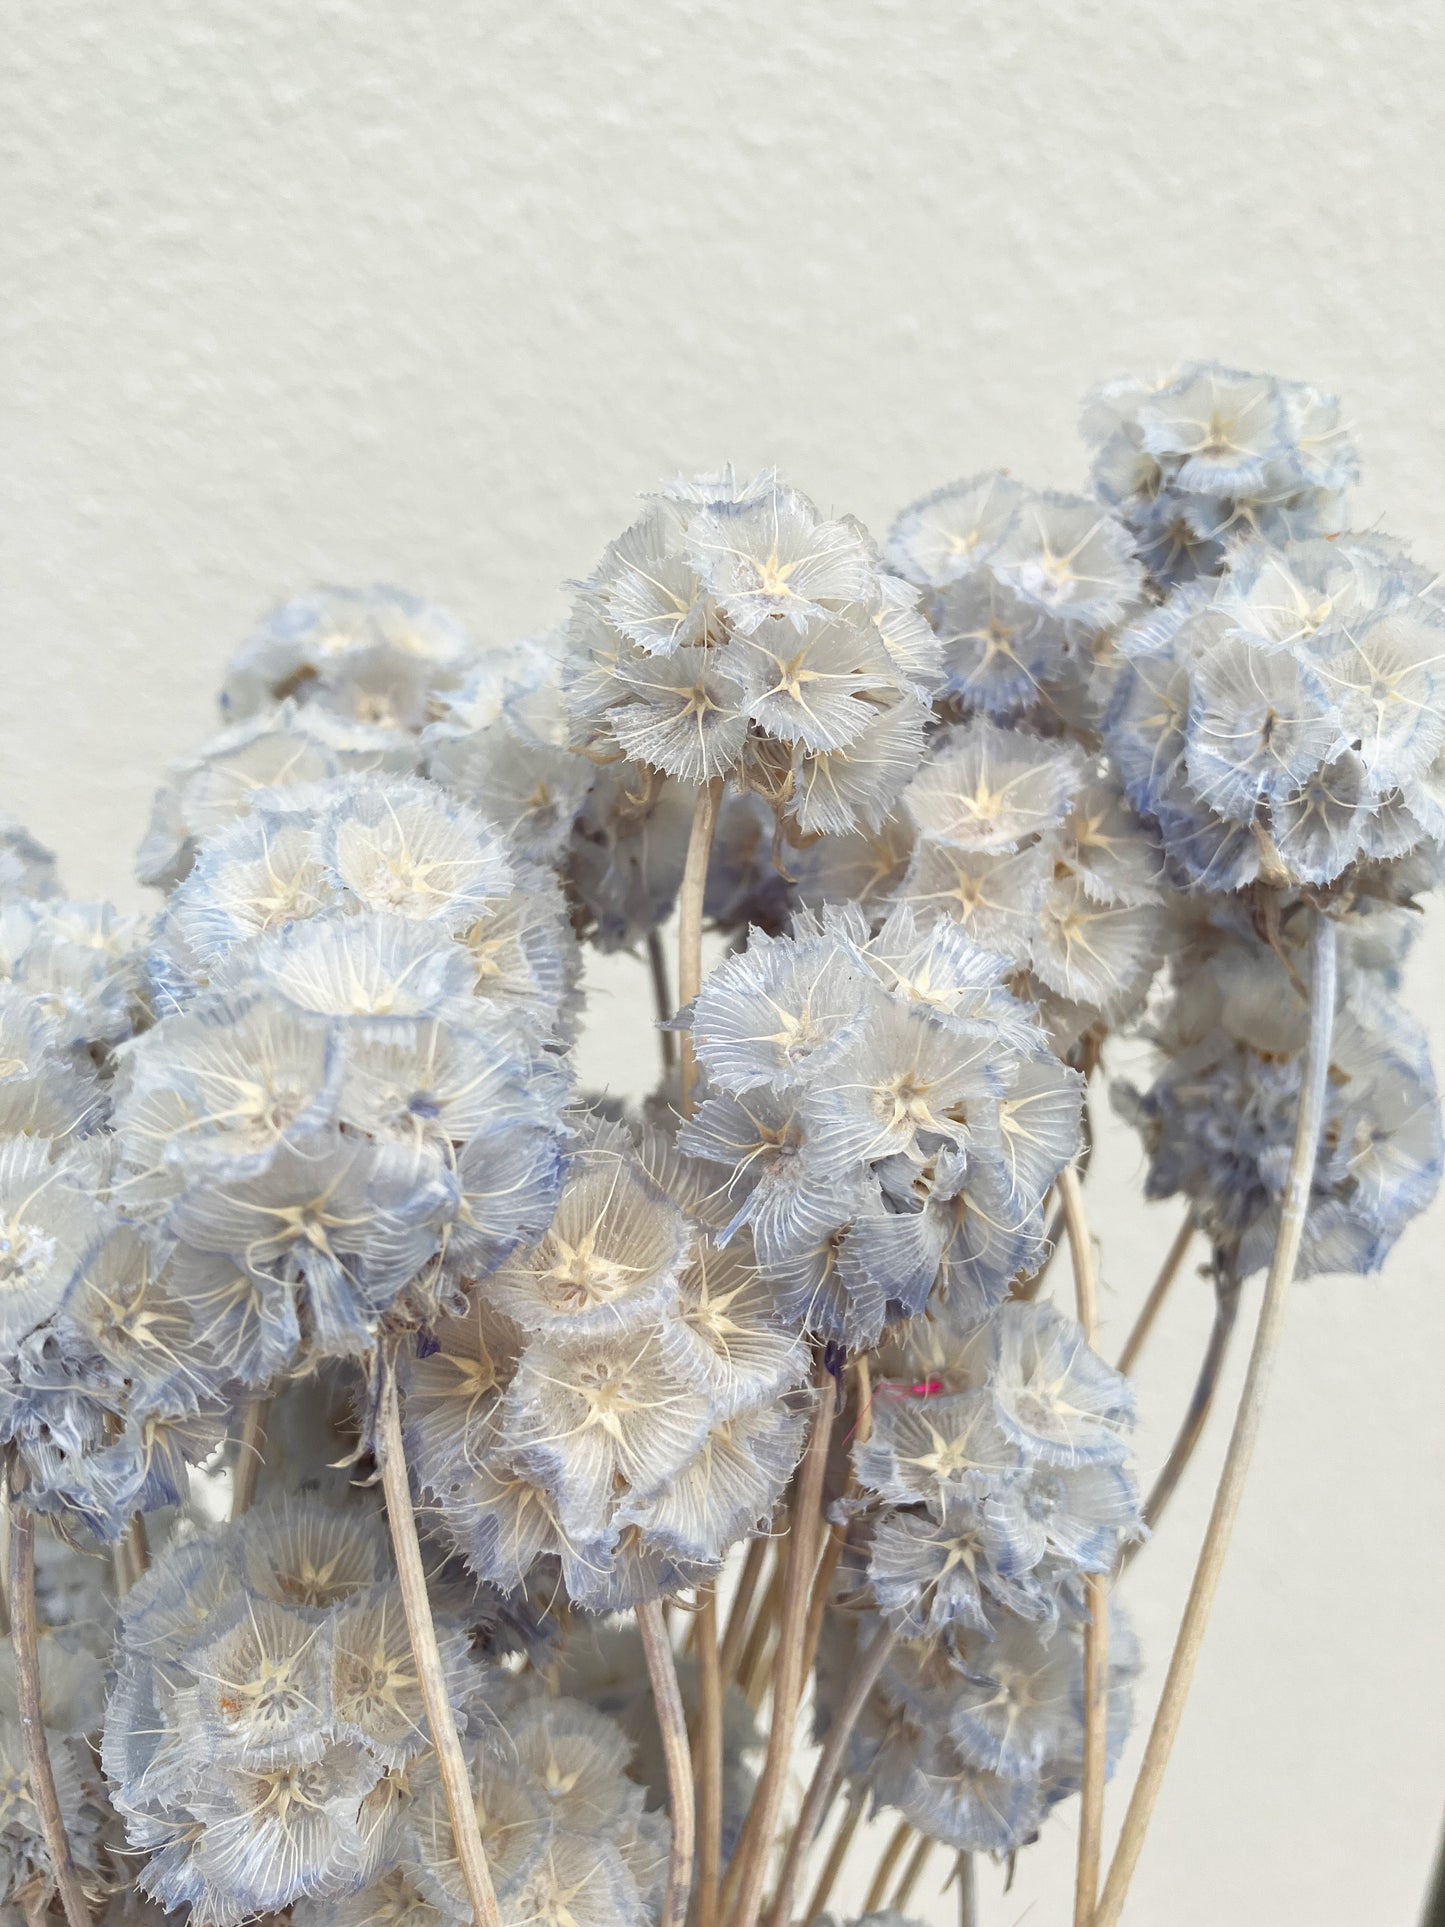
771	554
46	1089
264	1698
501	745
50	1225
410	850
954	532
736	632
779	1011
1053	1394
881	1114
1218	1119
930	1573
1022	589
375	969
278	749
354	1221
218	1088
80	963
370	655
27	868
251	877
1285	721
608	1262
1035	853
592	1418
1209	455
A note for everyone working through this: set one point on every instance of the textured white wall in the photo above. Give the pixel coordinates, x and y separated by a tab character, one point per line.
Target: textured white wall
358	288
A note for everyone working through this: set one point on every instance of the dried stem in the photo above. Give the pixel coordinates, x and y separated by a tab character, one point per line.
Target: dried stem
250	1451
837	1854
967	1891
411	1576
750	1864
838	1534
689	919
709	1765
817	1610
753	1666
4	1543
1096	1630
661	1001
667	1704
130	1556
917	1860
25	1643
883	1873
868	1666
708	1750
1096	1747
1158	1292
1201	1399
1081	1251
863	1377
742	1603
1293	1210
822	1592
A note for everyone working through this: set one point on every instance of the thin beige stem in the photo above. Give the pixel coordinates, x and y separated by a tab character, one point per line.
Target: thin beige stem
1294	1208
25	1643
661	1001
883	1873
863	1375
4	1544
967	1891
837	1854
837	1539
130	1556
1158	1292
917	1861
822	1593
1096	1631
689	919
751	1861
838	1534
1096	1748
867	1667
742	1605
250	1451
1081	1251
709	1761
707	1758
753	1666
1201	1401
667	1704
411	1576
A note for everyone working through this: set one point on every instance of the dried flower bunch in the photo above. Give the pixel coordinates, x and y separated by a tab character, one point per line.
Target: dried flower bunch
440	1494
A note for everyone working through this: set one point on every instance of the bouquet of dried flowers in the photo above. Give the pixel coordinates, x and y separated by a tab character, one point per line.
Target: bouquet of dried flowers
523	1506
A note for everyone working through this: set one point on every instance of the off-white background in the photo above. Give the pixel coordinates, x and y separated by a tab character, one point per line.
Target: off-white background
430	292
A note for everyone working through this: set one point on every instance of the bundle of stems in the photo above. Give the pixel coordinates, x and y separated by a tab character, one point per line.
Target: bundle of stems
770	1638
758	1626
